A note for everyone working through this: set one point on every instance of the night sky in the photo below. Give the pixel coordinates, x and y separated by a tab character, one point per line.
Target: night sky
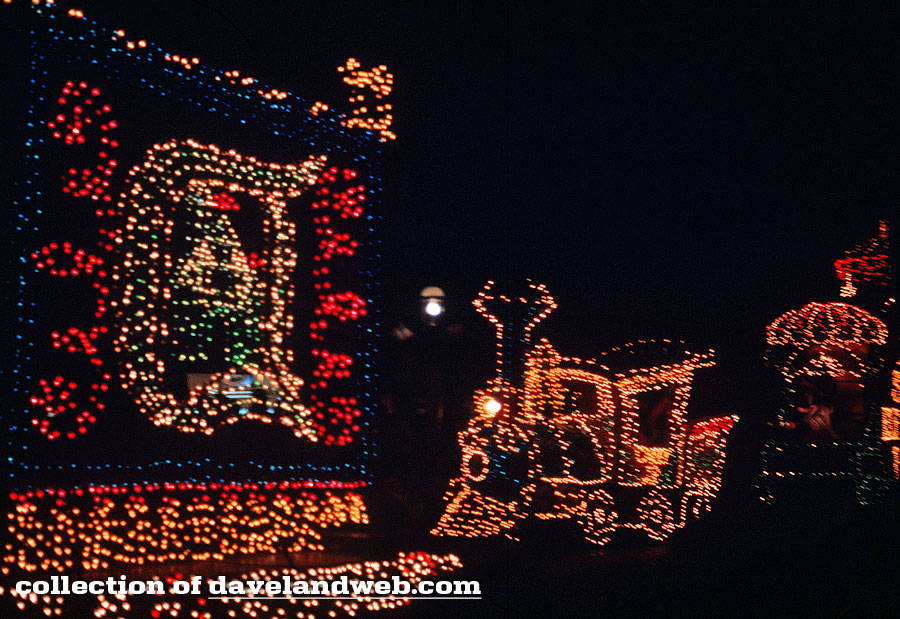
686	173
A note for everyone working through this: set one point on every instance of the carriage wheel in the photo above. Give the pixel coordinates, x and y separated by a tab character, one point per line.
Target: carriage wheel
598	518
657	515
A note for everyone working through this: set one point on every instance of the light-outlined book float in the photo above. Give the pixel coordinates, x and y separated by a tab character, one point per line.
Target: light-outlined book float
194	246
193	249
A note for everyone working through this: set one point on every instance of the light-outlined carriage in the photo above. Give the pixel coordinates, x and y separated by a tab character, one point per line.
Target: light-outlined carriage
606	443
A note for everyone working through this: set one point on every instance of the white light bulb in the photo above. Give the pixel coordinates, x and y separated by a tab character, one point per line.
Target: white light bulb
493	406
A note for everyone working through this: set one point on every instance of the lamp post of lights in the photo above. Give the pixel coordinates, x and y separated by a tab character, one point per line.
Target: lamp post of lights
431	300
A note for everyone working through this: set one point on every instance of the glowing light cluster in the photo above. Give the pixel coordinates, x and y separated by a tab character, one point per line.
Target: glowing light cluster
343	306
103	527
58	397
186	63
412	567
339	200
76	340
276	94
59	407
566	443
82	117
380	82
838	325
71	262
868	262
890	422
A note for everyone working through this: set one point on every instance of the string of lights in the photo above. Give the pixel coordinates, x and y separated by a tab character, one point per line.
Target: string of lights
102	527
890	422
867	262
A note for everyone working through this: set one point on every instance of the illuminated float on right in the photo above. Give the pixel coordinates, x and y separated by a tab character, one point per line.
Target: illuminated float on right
605	443
832	441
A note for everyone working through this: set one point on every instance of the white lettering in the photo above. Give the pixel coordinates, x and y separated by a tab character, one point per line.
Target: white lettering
273	587
181	587
217	586
137	587
362	587
401	587
256	586
340	587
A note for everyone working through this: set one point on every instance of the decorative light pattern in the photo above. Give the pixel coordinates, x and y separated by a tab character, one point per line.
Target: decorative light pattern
76	261
64	405
379	81
192	237
105	527
186	63
340	199
839	325
868	262
568	441
411	567
80	120
82	117
890	422
510	314
59	407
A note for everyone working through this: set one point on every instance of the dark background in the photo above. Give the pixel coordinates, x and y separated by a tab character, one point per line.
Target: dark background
686	173
668	172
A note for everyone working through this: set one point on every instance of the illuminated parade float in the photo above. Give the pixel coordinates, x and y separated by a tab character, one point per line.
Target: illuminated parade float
606	443
833	438
171	286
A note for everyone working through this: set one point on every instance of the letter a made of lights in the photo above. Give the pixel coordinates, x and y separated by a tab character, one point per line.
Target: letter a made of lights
206	303
178	261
